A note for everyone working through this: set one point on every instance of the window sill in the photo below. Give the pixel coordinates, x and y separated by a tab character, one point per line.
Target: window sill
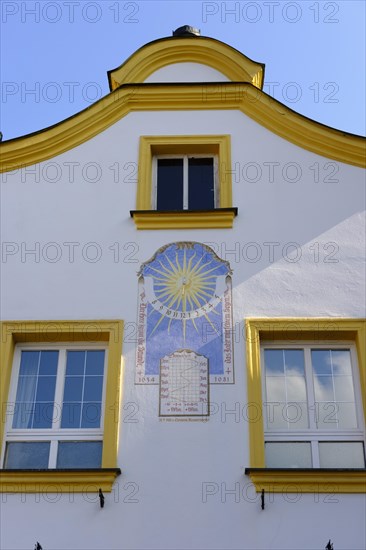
313	480
184	219
58	481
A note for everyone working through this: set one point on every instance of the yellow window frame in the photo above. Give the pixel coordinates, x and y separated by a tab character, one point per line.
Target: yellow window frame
110	332
295	330
222	217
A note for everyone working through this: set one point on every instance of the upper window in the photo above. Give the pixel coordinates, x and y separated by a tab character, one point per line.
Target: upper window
312	406
56	420
184	182
59	397
306	392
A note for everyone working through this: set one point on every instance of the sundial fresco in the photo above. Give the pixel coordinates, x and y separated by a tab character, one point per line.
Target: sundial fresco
184	312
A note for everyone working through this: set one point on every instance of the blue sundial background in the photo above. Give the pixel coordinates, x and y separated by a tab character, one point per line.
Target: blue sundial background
165	335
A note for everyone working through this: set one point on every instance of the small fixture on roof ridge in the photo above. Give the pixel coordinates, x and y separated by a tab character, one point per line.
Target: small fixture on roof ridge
187	30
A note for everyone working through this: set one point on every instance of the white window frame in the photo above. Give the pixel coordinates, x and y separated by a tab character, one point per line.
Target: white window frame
185	177
312	434
55	434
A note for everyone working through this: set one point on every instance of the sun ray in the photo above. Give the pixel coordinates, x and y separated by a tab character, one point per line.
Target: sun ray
213	326
162	316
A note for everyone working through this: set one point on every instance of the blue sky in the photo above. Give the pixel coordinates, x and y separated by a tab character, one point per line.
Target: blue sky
55	54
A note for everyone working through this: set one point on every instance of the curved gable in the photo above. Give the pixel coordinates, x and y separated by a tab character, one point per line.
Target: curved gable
131	92
197	49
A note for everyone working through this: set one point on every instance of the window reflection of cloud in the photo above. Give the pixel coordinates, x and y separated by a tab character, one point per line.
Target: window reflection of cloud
343	386
341	362
294	360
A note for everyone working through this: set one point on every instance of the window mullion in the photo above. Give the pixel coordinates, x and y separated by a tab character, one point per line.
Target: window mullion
315	453
52	461
310	389
154	198
185	183
216	182
60	382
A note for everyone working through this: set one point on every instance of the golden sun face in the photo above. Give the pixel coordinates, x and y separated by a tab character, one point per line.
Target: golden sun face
185	288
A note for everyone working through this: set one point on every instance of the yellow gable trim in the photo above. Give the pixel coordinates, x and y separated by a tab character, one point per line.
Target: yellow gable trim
207	51
251	101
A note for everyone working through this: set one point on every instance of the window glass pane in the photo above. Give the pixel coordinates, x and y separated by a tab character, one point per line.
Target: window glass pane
91	414
46	388
24	455
338	454
288	455
94	362
35	390
276	388
73	390
23	410
286	416
29	363
48	363
93	388
71	413
274	361
334	390
341	360
169	184
296	388
297	416
285	384
343	388
276	417
294	362
43	415
326	415
201	188
321	361
323	387
79	454
75	362
346	415
83	392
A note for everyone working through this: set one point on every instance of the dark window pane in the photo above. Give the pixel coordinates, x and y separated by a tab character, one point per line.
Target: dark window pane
170	184
79	454
75	362
29	363
23	415
71	415
91	415
43	413
46	388
94	362
48	363
201	189
25	455
26	389
73	390
35	387
93	388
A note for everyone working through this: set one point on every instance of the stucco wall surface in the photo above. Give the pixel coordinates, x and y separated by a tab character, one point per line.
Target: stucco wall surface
296	250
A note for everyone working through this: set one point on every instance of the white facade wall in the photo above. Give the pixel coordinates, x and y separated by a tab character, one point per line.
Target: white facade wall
186	72
312	213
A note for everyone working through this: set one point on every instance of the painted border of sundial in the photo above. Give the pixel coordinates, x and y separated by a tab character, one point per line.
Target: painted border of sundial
185	302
